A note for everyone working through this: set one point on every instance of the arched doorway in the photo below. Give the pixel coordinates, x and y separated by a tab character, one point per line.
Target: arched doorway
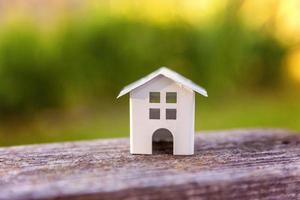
162	142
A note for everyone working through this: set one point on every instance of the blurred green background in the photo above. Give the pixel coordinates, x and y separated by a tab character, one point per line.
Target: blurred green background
63	62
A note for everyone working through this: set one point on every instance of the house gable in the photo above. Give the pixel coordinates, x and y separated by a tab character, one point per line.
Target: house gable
166	73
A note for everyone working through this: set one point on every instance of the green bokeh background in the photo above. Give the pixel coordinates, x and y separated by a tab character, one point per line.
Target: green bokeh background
60	83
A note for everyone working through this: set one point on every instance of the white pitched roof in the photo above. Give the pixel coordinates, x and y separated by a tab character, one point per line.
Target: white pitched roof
167	73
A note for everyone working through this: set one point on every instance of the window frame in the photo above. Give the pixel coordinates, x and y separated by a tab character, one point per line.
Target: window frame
168	97
151	110
154	98
168	116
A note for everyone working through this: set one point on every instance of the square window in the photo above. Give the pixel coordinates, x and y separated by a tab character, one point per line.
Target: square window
154	113
170	113
154	97
171	97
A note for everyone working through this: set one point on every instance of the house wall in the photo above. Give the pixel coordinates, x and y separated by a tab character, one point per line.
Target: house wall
142	128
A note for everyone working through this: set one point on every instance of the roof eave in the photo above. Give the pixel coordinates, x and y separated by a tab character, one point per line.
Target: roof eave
168	74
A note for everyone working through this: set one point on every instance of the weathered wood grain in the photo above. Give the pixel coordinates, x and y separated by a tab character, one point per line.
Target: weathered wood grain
237	164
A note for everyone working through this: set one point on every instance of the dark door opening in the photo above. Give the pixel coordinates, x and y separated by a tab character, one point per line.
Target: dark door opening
162	142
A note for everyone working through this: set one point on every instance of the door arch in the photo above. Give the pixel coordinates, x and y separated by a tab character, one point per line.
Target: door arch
162	141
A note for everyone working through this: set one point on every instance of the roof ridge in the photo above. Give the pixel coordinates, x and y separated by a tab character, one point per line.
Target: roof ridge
167	73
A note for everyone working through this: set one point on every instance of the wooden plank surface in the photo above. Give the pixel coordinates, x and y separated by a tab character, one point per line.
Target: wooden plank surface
234	164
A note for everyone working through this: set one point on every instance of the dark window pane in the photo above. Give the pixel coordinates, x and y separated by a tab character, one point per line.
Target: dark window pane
154	97
171	97
170	113
154	113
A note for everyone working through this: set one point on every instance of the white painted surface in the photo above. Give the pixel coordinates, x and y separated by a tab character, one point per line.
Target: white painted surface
169	74
142	128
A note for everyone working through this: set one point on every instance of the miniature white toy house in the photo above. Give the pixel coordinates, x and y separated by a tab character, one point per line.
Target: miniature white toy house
162	108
